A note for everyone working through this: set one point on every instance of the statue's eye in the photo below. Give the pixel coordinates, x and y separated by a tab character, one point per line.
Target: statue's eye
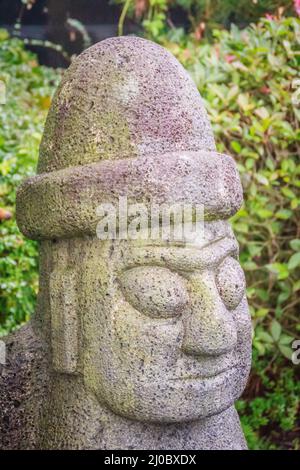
154	291
231	283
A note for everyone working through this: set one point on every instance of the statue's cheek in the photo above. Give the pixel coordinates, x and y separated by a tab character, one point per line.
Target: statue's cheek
136	339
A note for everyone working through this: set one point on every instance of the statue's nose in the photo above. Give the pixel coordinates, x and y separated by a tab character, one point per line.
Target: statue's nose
209	326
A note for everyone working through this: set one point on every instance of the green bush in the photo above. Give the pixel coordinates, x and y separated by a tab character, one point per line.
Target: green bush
200	17
28	95
248	82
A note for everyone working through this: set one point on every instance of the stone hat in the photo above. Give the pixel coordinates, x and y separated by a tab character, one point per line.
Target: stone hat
126	120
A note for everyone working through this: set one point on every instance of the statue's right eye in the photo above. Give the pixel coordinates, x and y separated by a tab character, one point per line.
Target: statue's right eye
154	291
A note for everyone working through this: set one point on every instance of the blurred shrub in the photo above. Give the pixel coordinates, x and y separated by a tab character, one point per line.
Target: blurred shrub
157	17
269	408
28	89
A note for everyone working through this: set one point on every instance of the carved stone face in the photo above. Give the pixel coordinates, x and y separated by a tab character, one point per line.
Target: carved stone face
167	335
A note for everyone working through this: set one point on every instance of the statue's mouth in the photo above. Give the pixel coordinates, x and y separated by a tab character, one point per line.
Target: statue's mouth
220	373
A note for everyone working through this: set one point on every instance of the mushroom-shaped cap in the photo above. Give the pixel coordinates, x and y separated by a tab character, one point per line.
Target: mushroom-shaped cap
126	120
123	97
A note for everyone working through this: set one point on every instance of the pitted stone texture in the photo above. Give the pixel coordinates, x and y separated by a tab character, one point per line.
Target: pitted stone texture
62	204
23	385
162	360
135	344
123	97
143	380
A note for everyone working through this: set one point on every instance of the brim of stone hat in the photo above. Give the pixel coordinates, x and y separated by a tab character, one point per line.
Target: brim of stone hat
63	203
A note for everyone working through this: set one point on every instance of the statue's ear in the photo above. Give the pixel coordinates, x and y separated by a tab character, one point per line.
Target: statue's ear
64	321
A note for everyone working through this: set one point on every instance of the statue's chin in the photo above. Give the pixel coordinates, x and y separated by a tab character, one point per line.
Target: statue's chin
175	401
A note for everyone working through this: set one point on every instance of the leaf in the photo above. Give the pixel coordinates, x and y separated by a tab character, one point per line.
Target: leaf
250	266
275	330
236	146
233	92
262	113
262	179
279	269
286	339
243	101
294	261
239	65
283	296
286	351
296	286
294	204
295	244
241	227
261	312
260	347
264	213
262	294
250	162
284	214
263	335
288	192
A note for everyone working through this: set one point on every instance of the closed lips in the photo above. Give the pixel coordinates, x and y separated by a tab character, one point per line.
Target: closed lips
194	377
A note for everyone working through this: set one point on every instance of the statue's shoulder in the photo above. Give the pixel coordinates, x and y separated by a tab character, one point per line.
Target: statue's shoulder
22	386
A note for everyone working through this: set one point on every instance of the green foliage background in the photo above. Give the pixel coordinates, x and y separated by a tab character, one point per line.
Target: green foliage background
156	16
28	91
247	80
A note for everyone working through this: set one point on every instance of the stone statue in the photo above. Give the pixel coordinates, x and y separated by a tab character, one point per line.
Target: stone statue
135	343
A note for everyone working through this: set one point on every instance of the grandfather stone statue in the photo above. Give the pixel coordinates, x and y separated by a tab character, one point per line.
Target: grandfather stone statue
136	343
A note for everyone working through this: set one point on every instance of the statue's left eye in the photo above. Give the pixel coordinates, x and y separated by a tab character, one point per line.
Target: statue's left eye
154	291
231	282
